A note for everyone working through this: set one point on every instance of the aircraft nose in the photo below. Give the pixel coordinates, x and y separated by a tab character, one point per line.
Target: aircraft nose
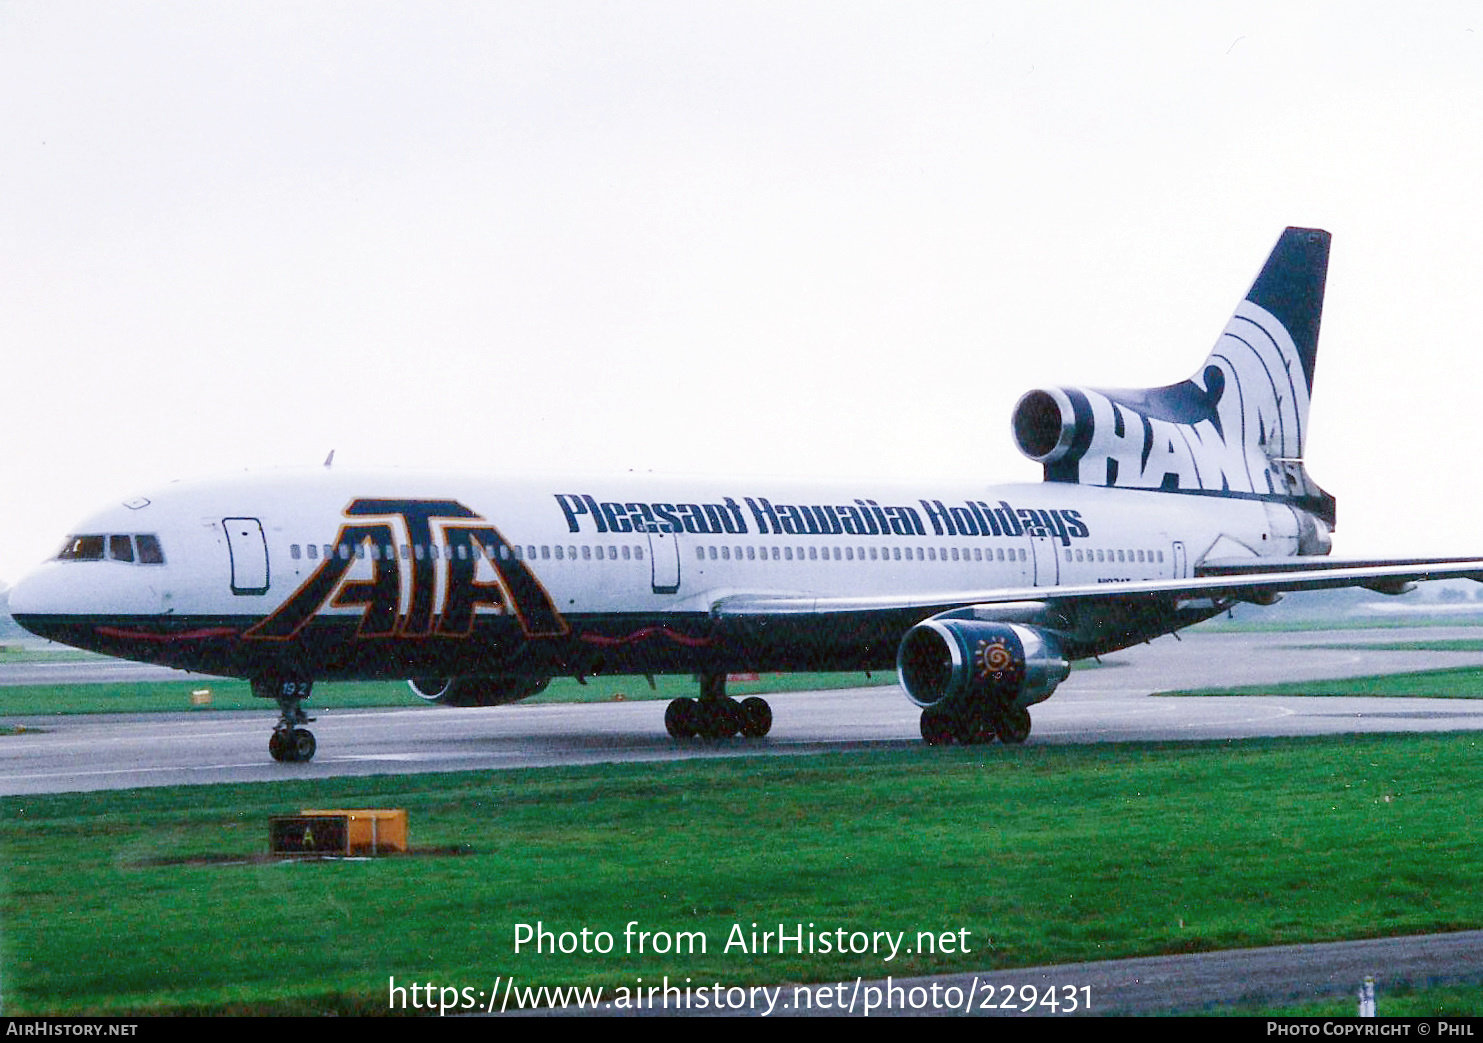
21	596
30	600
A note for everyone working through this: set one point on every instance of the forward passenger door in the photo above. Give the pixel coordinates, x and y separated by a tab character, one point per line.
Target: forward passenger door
248	547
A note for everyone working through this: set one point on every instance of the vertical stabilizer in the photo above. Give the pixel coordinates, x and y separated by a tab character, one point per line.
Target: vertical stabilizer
1290	289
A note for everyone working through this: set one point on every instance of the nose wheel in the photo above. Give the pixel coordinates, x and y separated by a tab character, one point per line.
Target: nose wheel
289	743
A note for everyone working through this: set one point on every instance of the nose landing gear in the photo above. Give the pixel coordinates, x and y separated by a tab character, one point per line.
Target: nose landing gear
289	743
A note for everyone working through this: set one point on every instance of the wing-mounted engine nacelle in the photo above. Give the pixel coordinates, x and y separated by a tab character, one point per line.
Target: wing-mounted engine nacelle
946	662
476	691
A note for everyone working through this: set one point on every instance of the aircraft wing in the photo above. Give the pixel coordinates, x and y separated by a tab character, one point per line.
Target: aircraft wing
1245	580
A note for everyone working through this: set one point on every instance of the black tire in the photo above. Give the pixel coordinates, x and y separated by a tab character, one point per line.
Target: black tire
973	726
681	717
937	727
756	717
303	745
726	718
1013	725
278	746
717	719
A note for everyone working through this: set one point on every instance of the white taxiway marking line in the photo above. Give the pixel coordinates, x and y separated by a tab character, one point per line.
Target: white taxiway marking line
421	757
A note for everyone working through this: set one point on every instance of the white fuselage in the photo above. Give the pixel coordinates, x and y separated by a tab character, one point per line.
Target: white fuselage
422	566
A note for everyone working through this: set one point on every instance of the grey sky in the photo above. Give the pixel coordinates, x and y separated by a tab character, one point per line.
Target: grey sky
810	239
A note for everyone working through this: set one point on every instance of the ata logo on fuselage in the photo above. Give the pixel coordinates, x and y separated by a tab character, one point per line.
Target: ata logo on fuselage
431	589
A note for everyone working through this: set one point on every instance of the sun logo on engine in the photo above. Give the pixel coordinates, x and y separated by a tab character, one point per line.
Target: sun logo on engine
992	658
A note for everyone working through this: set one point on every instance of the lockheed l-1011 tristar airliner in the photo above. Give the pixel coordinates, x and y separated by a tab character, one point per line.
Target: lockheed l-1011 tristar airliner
1160	508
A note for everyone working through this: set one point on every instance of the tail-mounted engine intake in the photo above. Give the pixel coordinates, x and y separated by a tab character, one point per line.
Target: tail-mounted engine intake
477	691
1045	425
962	662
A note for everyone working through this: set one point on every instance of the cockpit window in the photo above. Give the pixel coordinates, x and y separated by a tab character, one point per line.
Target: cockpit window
82	548
139	548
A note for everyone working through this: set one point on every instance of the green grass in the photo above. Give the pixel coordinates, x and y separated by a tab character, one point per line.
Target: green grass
153	696
671	686
150	696
22	654
1465	644
1044	854
1459	683
1223	625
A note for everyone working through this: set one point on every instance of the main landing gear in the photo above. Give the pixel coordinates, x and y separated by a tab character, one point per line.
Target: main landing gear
289	742
974	724
715	715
